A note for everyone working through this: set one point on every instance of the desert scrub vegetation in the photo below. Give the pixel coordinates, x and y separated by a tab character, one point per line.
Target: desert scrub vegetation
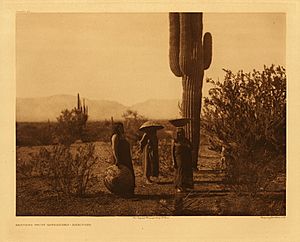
34	133
132	122
246	117
69	169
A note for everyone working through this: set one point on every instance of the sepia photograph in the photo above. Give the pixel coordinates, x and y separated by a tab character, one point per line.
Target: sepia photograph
150	114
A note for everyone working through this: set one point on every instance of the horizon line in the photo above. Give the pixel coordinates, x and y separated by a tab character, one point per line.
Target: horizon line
94	99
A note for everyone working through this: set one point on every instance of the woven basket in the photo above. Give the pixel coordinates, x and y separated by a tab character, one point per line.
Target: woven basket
119	180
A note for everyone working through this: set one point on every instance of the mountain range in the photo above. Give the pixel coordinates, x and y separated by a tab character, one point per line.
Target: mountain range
49	108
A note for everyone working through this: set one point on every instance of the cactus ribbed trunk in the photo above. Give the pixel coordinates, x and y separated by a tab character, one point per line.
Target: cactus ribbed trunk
191	107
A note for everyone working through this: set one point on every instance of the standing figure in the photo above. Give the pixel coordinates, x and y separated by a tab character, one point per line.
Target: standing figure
182	159
149	147
121	148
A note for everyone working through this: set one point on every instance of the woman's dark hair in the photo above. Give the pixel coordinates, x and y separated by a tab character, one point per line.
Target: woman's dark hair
117	127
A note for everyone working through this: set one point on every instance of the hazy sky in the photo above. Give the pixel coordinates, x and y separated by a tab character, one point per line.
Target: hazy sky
124	57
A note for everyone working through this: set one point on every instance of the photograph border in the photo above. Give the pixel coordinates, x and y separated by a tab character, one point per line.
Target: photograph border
204	228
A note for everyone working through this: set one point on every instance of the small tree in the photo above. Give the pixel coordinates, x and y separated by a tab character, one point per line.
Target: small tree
246	114
71	124
66	129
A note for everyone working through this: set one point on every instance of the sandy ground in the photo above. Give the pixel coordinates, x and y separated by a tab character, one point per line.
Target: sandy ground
210	196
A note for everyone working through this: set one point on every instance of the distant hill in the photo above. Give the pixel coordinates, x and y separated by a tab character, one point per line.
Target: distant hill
44	108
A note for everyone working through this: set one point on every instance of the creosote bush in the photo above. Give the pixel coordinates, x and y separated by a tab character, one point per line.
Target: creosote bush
246	114
69	172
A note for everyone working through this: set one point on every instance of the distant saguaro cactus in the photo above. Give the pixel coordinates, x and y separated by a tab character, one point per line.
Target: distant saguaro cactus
189	56
72	123
81	115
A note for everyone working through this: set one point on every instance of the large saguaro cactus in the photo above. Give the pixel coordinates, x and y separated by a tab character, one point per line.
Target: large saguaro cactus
189	56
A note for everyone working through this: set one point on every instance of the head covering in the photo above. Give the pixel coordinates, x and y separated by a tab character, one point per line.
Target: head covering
180	122
150	125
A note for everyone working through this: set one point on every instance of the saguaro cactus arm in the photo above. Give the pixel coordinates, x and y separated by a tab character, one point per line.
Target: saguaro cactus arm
185	43
207	50
174	44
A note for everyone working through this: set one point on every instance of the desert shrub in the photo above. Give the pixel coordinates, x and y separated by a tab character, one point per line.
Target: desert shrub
69	173
41	162
71	126
34	134
246	114
98	131
83	164
132	123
